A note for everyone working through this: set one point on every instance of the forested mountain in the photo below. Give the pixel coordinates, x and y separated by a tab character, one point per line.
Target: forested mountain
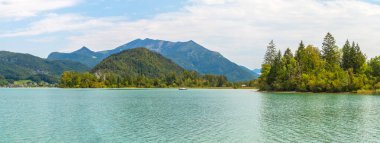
137	62
16	66
139	67
189	55
329	69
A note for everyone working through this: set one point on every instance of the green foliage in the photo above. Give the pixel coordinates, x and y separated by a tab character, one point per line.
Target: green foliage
352	57
270	53
3	81
289	71
330	52
347	56
80	80
312	70
374	64
88	80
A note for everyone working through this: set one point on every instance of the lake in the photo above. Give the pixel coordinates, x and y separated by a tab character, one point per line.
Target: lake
196	115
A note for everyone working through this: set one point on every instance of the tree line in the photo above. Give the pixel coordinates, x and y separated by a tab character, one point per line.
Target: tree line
309	69
109	80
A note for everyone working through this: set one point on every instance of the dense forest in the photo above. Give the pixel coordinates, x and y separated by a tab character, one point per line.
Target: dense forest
187	79
309	69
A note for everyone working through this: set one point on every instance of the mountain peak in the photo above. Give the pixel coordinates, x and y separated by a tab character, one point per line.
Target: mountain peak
192	42
148	39
83	50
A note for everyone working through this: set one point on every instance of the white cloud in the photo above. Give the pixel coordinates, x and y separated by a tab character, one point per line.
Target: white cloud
16	9
239	29
60	23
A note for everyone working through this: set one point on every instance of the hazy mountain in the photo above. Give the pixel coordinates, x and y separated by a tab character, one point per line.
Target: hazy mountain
189	55
83	55
257	71
17	66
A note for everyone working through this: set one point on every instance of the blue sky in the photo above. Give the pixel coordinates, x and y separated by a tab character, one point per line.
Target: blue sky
131	9
238	29
42	44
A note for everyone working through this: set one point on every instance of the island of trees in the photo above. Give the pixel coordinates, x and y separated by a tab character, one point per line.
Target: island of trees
309	69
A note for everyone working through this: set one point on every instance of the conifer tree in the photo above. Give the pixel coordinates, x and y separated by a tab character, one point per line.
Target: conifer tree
359	58
347	56
290	67
270	53
330	52
275	68
300	51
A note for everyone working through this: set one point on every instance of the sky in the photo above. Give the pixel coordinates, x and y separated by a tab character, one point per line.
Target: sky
238	29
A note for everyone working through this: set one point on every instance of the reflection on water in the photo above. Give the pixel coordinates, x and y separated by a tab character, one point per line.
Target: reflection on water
169	115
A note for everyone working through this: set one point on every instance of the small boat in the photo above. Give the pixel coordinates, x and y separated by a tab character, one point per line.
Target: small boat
182	88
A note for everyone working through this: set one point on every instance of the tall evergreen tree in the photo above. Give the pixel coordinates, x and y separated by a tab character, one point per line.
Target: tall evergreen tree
347	56
301	58
300	50
270	53
275	68
290	70
330	52
359	58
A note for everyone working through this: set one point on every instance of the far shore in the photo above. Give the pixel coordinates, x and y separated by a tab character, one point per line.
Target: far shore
362	92
130	88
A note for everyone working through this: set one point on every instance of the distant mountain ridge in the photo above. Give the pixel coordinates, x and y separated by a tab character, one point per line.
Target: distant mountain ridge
257	71
189	55
83	55
17	66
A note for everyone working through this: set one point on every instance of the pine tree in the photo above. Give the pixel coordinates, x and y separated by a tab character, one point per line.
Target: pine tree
270	53
359	58
347	56
275	68
300	50
301	58
290	70
330	52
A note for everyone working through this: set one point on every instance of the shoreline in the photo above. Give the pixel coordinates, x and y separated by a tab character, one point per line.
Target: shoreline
125	88
362	92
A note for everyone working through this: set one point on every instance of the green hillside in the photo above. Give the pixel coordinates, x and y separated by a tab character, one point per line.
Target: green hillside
136	62
17	66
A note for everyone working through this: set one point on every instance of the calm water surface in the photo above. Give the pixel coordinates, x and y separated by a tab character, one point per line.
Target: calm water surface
169	115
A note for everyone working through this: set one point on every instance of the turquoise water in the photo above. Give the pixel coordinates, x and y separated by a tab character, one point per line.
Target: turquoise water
169	115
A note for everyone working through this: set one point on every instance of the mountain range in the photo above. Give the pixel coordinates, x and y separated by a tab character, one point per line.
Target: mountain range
189	55
17	66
